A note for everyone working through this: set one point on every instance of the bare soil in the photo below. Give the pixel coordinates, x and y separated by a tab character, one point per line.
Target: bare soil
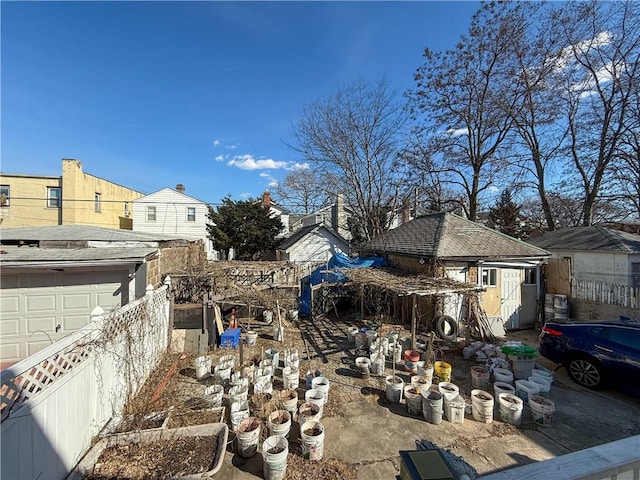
156	460
188	419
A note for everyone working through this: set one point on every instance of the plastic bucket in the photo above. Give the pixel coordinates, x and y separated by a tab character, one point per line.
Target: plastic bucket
432	407
252	338
289	399
292	360
351	334
413	400
238	412
502	375
420	383
237	380
263	386
442	371
510	408
524	389
203	367
425	370
363	365
502	387
267	316
213	395
322	385
542	410
278	332
290	377
360	340
448	390
454	409
311	374
377	365
482	406
308	411
384	345
543	384
522	368
395	350
229	358
238	393
316	397
370	336
222	374
273	355
279	423
543	374
480	377
275	450
393	388
248	437
312	436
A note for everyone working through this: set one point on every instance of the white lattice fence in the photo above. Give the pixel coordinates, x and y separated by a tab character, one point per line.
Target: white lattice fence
56	401
607	293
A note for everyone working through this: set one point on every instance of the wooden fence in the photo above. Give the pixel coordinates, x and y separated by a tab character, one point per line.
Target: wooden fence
607	293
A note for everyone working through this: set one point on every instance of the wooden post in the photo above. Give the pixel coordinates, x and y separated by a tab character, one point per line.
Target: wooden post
413	321
361	302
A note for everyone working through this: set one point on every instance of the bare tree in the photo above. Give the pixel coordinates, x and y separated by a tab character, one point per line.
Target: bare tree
459	105
352	138
601	72
303	191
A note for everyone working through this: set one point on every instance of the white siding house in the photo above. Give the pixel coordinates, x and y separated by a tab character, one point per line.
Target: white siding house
312	244
171	212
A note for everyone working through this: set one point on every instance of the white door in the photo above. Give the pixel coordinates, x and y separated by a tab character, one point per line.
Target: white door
510	297
38	308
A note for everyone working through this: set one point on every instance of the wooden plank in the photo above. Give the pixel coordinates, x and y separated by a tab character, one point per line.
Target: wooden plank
218	315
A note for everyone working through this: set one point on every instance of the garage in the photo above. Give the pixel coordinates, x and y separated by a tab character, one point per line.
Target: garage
42	306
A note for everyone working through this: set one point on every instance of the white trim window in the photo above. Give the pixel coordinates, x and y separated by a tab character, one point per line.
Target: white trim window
54	197
191	214
490	277
151	214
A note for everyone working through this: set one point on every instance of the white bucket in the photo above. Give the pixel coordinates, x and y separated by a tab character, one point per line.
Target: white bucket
290	377
371	336
448	390
522	368
377	365
502	387
543	374
275	450
238	412
238	380
263	387
425	370
420	383
293	315
308	411
351	334
279	423
263	375
248	437
413	400
384	345
289	399
312	436
322	385
524	389
395	350
482	406
360	340
238	393
316	397
213	395
229	359
267	316
249	370
252	338
394	388
542	410
373	348
543	384
454	409
278	333
203	367
510	408
222	374
502	375
292	361
363	365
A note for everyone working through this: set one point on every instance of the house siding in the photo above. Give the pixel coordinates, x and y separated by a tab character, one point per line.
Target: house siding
317	246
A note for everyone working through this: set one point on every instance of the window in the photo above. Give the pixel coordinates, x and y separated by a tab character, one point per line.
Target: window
127	213
96	201
4	195
490	277
151	214
54	197
191	214
530	276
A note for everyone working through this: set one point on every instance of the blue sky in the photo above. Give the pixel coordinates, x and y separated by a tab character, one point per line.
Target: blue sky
150	94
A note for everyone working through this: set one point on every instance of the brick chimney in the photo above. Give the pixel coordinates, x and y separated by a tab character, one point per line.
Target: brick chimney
180	188
406	211
266	199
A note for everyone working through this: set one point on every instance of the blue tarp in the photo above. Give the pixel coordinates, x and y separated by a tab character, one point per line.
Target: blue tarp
328	273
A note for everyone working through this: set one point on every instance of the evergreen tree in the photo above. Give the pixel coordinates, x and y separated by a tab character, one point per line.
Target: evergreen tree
247	226
505	216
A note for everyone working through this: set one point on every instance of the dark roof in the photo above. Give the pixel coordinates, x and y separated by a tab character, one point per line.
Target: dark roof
81	233
593	238
33	255
303	232
450	237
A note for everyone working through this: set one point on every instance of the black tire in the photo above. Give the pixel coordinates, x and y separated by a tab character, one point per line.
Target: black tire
446	328
586	371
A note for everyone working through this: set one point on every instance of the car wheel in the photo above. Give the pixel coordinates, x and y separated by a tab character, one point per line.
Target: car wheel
586	372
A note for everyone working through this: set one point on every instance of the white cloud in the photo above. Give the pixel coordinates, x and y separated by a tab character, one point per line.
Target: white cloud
216	142
456	132
273	183
265	175
219	158
231	146
248	162
298	166
493	189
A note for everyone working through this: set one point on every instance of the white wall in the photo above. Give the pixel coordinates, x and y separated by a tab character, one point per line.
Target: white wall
317	246
605	267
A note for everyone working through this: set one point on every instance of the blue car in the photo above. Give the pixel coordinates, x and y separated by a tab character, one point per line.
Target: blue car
595	354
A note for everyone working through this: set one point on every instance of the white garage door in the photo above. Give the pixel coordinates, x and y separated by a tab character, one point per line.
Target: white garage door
33	304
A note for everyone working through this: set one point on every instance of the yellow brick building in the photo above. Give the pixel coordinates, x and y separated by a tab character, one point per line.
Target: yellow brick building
74	198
